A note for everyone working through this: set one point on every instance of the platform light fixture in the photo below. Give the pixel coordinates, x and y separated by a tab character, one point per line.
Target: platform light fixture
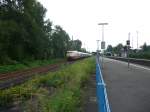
103	42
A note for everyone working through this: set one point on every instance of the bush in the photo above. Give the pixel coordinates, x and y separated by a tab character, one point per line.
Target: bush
140	55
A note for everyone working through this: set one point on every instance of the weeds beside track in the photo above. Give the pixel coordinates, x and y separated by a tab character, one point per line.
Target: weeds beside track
18	77
55	92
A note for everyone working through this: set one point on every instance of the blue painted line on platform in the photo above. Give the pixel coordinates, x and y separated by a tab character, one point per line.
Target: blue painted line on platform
103	103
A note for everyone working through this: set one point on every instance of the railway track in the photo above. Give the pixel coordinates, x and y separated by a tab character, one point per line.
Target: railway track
14	78
144	62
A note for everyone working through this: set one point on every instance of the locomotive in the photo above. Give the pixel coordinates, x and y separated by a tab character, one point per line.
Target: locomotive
74	55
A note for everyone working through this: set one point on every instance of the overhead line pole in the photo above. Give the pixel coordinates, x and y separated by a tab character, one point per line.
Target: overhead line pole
97	44
102	43
128	49
98	49
137	39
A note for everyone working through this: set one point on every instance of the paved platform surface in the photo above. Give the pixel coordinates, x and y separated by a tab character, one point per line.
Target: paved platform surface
90	97
128	89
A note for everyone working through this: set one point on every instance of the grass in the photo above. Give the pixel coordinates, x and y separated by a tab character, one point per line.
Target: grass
26	65
55	92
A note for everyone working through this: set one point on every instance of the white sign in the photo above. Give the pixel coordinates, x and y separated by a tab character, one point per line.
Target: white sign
103	45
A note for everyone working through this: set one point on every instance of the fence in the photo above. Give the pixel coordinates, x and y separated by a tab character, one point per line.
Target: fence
103	103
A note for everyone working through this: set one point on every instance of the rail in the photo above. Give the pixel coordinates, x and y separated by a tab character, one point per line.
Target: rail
102	98
144	62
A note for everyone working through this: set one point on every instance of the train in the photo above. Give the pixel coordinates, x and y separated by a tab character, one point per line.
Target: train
74	55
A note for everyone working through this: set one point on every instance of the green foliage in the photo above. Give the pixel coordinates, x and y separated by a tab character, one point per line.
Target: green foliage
26	65
26	35
144	47
66	101
56	80
22	30
7	97
9	68
54	92
76	45
60	42
109	48
140	55
144	53
115	50
67	96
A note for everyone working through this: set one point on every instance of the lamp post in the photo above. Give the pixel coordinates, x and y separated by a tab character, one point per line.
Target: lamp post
102	24
103	42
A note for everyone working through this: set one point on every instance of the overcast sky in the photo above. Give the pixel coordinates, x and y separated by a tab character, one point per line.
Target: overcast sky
80	18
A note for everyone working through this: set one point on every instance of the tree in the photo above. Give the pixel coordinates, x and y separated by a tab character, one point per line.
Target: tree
26	35
144	47
118	49
83	50
109	48
23	31
60	42
75	45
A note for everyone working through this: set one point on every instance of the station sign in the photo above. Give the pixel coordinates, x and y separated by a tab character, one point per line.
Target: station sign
103	45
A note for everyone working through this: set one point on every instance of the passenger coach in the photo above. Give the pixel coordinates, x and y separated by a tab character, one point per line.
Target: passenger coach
73	55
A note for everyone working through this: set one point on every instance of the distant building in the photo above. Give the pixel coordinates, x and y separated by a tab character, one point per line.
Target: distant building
123	52
115	54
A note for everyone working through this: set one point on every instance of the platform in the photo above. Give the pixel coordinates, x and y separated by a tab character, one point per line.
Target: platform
128	89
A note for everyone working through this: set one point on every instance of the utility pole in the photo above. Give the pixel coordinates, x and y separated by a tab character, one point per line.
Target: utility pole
98	49
103	42
128	49
97	45
72	44
132	42
129	36
137	39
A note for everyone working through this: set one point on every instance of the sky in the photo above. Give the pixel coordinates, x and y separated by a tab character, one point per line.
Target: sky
80	18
